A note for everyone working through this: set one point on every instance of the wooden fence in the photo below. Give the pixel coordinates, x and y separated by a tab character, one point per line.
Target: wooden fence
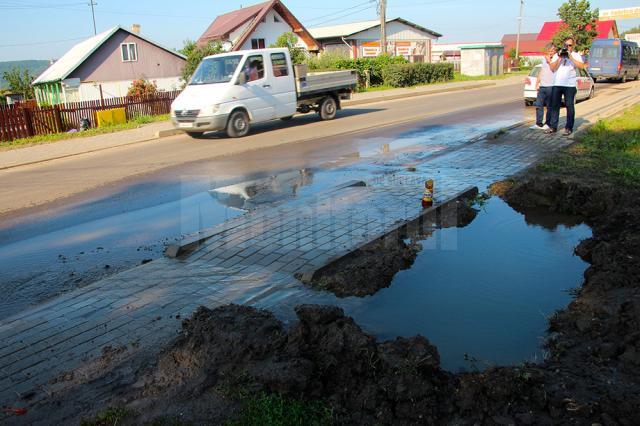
24	120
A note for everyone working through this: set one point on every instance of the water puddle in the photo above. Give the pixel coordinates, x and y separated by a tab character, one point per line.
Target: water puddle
481	294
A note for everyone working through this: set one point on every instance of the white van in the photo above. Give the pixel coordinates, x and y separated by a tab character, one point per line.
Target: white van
230	91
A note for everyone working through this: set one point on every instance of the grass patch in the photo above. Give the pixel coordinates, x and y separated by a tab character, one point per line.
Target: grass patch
276	410
109	417
609	151
39	139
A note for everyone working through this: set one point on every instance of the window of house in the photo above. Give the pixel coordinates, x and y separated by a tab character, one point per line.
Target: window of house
279	63
257	43
253	68
129	52
275	18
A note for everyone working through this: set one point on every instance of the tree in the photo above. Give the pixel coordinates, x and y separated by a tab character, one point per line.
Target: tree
578	22
634	30
142	88
20	81
290	41
195	53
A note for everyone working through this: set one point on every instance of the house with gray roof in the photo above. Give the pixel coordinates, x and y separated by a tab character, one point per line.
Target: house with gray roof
362	39
105	65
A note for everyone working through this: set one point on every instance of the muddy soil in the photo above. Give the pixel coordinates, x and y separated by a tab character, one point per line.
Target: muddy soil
372	267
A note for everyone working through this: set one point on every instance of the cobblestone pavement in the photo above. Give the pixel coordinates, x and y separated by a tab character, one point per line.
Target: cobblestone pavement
250	259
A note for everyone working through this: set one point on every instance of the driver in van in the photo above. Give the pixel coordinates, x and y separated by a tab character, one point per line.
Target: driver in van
252	70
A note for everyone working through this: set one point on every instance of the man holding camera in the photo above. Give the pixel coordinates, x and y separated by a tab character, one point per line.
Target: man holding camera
564	64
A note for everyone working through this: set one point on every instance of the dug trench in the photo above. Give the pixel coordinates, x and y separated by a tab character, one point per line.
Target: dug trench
226	356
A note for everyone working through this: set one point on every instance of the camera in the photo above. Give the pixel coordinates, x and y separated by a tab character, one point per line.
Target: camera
564	52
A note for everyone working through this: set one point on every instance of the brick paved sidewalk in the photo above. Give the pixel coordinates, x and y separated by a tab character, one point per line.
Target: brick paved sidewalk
249	259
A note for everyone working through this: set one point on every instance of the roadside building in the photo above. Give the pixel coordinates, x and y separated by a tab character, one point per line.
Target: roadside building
482	59
635	37
362	39
105	65
452	52
530	47
257	27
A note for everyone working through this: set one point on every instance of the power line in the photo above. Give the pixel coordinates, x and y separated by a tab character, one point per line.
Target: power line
93	14
340	11
42	42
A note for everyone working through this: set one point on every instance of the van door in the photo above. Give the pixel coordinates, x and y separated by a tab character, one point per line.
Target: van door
283	88
256	93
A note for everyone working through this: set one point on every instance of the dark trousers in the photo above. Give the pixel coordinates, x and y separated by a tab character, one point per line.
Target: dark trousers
569	94
543	100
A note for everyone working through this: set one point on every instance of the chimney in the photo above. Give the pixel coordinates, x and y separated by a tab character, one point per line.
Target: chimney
135	28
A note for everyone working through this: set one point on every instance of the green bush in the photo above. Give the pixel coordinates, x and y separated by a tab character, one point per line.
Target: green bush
375	66
405	75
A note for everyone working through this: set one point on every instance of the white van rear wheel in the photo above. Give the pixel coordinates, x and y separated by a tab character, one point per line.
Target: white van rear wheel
238	125
328	108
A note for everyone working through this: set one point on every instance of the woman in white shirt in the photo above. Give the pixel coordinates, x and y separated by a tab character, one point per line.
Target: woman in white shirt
564	65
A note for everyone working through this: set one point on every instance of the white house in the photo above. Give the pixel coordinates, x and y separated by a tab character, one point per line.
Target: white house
362	39
257	27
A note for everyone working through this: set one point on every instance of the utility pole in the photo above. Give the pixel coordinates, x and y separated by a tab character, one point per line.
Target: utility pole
383	27
92	3
519	31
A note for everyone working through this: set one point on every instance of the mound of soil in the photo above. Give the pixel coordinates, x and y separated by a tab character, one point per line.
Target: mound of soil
323	356
372	267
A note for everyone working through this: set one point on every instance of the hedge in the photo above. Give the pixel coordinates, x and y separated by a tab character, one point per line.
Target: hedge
405	75
375	66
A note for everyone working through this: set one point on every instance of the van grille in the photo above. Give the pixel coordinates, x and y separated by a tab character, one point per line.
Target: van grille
186	115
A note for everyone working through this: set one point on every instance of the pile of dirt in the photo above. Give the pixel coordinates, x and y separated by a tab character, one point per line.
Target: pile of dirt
325	356
372	267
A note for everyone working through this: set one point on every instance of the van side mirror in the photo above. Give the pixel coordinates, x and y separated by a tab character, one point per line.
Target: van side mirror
242	79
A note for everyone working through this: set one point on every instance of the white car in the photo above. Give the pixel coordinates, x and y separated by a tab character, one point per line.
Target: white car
586	86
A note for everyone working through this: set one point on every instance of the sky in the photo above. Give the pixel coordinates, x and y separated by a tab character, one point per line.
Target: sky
46	29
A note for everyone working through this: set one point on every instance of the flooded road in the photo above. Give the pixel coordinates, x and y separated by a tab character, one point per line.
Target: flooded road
84	238
482	294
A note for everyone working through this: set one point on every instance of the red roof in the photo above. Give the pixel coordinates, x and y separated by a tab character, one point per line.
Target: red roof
529	44
224	24
549	29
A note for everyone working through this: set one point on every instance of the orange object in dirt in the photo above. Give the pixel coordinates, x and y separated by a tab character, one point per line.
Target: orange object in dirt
427	197
15	411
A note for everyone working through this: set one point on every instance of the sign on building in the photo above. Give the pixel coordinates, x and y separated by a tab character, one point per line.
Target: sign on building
626	13
370	49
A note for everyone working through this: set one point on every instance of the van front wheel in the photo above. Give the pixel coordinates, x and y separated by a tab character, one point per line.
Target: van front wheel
328	108
238	124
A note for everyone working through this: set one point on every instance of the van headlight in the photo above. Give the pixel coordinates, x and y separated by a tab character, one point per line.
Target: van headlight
210	110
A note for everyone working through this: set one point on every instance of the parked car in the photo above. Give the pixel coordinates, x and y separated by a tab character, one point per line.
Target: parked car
231	91
614	59
585	85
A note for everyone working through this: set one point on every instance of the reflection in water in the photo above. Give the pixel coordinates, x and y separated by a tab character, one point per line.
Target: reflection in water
247	195
489	297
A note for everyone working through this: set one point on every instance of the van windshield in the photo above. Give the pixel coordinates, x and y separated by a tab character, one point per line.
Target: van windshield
605	52
215	70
